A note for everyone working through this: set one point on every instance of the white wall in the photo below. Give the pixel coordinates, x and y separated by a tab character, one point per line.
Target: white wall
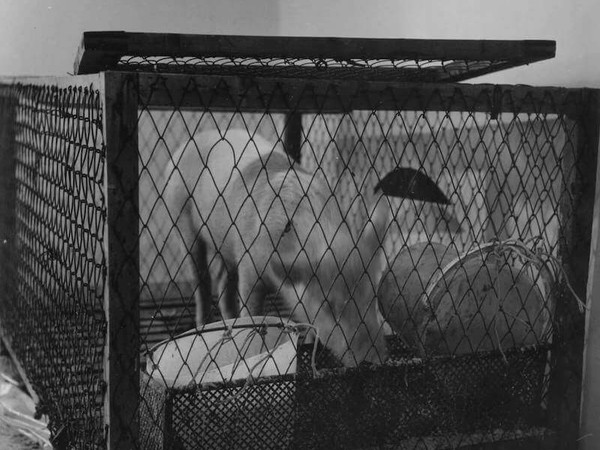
41	36
573	24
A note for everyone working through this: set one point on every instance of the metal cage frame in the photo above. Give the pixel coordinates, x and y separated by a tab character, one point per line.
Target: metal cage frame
122	93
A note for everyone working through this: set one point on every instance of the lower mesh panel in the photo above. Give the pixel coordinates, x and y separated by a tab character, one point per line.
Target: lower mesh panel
407	402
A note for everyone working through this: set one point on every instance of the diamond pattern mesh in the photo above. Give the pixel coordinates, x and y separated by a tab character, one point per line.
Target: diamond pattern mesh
480	377
442	401
419	325
53	312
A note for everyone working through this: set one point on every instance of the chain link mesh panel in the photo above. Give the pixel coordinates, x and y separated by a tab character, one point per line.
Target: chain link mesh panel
394	321
471	323
165	306
52	308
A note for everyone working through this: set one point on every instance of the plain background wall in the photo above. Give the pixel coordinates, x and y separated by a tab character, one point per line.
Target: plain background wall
40	37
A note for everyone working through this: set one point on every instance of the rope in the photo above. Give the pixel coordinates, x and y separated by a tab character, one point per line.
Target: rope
313	359
537	257
227	334
288	329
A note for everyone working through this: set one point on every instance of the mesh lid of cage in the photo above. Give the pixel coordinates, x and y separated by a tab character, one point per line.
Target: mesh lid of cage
429	60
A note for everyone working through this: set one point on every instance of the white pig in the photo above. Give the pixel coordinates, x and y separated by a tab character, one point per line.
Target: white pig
258	224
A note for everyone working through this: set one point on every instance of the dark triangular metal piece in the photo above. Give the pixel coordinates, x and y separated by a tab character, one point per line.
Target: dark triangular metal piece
410	183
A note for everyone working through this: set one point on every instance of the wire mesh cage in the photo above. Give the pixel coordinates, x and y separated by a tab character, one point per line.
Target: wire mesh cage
231	259
499	351
54	265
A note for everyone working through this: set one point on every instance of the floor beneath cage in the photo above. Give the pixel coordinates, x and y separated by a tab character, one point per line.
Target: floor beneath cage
19	430
12	439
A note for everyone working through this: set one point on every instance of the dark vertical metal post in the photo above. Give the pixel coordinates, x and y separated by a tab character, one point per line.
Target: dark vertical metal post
590	390
576	210
122	293
293	135
7	197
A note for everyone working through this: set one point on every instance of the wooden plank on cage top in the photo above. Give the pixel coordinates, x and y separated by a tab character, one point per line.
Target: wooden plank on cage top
339	96
101	50
99	53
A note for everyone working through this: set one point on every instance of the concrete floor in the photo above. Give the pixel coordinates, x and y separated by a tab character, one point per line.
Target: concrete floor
17	400
11	439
